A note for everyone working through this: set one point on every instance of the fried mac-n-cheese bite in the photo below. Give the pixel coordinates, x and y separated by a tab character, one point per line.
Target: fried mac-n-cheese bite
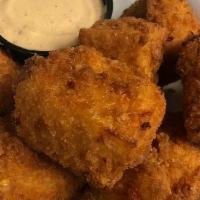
89	113
25	175
9	73
189	70
134	41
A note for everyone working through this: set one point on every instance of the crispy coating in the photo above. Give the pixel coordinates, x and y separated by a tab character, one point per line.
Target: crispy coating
137	9
8	76
171	172
178	17
90	113
136	42
26	176
189	69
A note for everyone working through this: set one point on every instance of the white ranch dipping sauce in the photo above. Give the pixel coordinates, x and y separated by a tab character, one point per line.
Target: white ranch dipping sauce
46	25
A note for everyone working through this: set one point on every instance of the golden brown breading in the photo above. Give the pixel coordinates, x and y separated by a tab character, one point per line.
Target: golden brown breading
137	9
26	176
189	69
178	17
171	172
8	76
136	42
90	113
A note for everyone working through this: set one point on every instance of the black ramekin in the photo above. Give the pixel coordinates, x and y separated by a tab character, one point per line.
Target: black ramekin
21	54
109	8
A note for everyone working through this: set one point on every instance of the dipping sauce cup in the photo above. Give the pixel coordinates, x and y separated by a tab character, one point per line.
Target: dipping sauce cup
31	27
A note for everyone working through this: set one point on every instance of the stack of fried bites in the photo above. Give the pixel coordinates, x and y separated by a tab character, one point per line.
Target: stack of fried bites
86	123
